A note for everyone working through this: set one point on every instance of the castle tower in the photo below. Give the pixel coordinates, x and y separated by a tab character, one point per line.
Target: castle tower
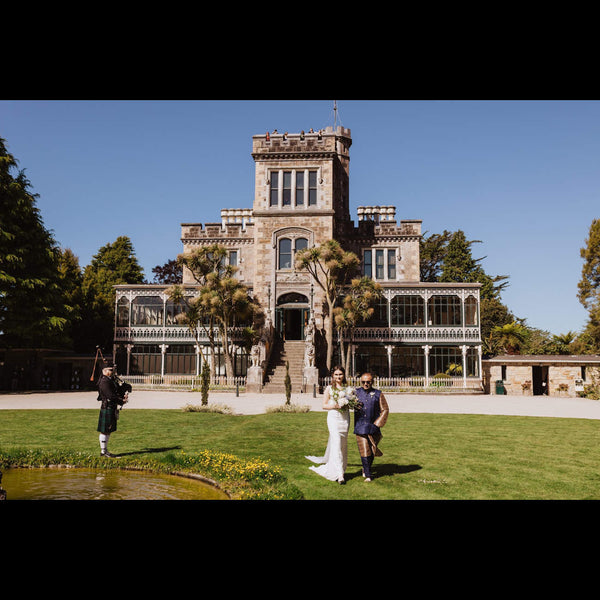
301	199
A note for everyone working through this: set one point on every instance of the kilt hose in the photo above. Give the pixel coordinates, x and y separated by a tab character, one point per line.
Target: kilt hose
107	420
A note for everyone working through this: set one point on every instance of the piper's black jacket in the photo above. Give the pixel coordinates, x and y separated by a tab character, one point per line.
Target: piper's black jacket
108	393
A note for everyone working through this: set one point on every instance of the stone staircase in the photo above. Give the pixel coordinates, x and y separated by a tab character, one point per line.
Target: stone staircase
285	351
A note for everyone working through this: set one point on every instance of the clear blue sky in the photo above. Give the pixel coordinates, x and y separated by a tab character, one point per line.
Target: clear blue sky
521	176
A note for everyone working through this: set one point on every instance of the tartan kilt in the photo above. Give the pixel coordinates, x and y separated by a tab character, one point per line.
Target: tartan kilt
107	420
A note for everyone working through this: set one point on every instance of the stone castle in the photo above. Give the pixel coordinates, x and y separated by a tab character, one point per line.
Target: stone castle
301	199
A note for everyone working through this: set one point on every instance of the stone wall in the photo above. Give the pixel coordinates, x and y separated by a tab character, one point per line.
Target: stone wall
516	375
234	236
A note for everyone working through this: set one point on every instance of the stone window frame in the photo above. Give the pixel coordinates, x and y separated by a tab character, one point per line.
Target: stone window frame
293	234
386	268
306	187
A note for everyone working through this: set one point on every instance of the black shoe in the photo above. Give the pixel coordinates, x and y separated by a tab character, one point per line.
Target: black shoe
107	454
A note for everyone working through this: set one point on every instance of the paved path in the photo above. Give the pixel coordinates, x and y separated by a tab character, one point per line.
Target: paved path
249	404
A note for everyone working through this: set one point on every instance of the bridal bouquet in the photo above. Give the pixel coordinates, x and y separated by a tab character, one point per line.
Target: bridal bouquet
346	398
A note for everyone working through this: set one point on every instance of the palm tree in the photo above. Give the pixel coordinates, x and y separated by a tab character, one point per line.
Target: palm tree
357	307
227	301
330	267
510	337
562	342
222	301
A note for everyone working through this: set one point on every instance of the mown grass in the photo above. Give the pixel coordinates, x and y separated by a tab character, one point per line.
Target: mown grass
426	456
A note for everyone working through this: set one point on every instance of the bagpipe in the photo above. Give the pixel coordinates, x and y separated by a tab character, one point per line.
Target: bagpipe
122	386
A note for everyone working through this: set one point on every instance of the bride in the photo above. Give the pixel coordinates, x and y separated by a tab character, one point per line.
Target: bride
333	465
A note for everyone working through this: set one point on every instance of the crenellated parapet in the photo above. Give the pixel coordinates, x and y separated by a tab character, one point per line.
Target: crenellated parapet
382	220
318	143
235	223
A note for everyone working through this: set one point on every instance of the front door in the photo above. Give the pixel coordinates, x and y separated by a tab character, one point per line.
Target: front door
290	322
291	316
539	376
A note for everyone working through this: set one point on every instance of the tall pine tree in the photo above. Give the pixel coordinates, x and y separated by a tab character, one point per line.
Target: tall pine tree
71	279
114	264
447	257
460	266
33	311
589	285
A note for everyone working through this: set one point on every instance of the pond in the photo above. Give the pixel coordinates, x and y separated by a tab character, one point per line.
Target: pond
105	484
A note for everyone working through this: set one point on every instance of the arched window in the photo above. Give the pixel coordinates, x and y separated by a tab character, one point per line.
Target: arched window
147	310
122	312
173	309
301	243
292	298
470	311
285	254
407	310
287	250
444	310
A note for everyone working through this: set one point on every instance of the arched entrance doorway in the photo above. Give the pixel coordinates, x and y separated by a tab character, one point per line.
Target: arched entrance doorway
291	316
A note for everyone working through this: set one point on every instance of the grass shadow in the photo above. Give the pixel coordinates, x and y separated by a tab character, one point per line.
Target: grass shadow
385	470
149	451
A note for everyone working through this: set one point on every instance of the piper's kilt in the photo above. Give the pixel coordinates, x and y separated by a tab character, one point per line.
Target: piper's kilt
107	420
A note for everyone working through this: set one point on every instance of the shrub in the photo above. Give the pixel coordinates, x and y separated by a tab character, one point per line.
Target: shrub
205	383
288	408
591	392
211	408
288	383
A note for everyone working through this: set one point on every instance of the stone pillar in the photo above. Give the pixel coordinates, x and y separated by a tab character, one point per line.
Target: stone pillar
311	377
254	375
310	372
254	379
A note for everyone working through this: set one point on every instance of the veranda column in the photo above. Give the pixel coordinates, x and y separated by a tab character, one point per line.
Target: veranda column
463	297
163	350
165	297
389	357
114	350
129	349
464	364
427	349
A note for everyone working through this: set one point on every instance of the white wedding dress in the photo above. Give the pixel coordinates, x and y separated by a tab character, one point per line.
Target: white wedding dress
332	466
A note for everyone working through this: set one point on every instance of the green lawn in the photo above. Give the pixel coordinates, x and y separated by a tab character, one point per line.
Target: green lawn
426	456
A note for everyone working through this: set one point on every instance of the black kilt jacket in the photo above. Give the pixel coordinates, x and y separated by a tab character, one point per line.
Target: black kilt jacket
111	400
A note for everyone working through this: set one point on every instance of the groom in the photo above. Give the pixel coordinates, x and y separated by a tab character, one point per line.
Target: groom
368	421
